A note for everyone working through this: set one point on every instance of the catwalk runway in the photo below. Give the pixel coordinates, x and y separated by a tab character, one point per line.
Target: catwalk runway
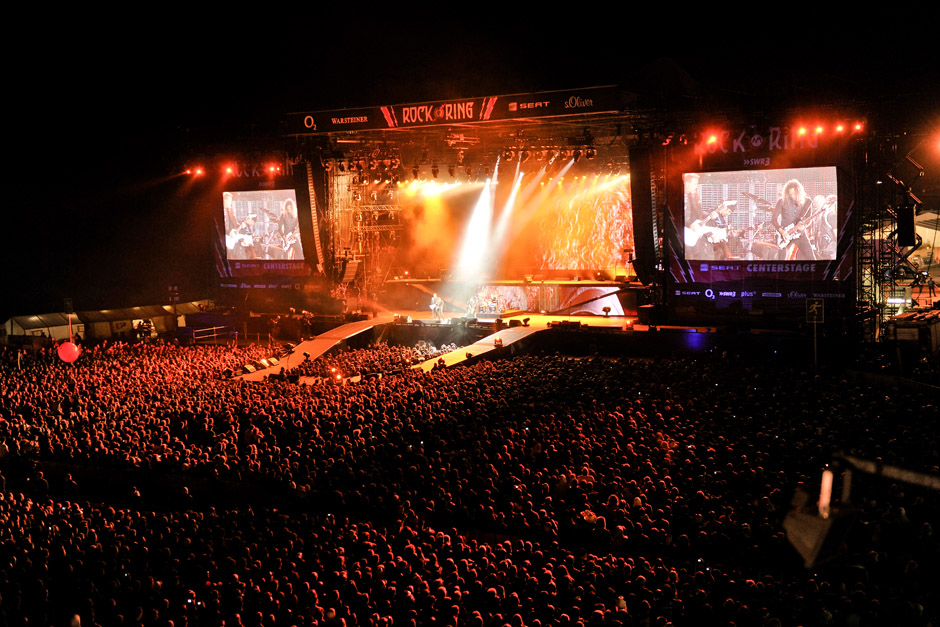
509	336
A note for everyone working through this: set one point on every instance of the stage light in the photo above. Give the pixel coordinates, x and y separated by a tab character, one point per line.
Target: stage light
452	170
858	126
802	130
415	170
271	168
474	250
712	139
199	171
435	170
839	128
819	130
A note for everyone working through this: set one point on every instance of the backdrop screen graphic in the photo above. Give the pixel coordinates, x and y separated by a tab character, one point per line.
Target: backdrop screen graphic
531	223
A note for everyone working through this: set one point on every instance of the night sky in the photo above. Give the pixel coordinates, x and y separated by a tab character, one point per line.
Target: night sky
104	115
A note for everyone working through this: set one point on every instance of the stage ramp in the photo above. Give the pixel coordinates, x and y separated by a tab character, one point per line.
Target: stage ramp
320	344
488	344
509	336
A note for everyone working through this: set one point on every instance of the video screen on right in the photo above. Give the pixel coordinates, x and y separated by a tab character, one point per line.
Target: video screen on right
787	215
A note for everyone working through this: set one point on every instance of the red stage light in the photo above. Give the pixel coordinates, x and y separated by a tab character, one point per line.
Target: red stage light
712	139
819	130
802	130
858	126
198	171
839	128
228	170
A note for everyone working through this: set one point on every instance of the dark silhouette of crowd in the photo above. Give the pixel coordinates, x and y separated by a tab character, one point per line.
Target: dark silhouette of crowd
527	491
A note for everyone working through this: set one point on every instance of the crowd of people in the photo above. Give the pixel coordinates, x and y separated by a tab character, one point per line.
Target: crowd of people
534	490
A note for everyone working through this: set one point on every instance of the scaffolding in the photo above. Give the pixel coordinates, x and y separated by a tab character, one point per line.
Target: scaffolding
885	173
364	217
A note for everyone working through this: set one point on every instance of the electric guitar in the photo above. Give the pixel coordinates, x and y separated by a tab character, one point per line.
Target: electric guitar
234	238
787	234
695	231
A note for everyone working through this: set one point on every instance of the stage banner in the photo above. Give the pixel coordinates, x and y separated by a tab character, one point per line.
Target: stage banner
593	100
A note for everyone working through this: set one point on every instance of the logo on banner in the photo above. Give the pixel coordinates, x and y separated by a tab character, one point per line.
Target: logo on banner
750	139
516	106
577	102
356	119
451	111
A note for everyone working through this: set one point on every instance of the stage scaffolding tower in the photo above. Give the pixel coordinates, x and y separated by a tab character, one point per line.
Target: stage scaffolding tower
365	230
884	272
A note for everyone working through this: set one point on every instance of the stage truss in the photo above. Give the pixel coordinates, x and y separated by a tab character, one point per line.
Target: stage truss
364	225
886	173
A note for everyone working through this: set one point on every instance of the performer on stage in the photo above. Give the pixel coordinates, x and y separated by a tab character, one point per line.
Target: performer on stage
827	227
788	219
289	228
241	240
437	307
472	306
231	220
706	232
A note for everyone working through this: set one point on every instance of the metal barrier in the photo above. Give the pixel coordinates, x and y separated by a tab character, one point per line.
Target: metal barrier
210	333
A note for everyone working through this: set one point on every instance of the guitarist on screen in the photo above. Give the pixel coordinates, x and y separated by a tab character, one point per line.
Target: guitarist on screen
706	233
788	220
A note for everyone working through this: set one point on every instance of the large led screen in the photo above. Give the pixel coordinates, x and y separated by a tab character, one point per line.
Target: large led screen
786	215
262	225
528	223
